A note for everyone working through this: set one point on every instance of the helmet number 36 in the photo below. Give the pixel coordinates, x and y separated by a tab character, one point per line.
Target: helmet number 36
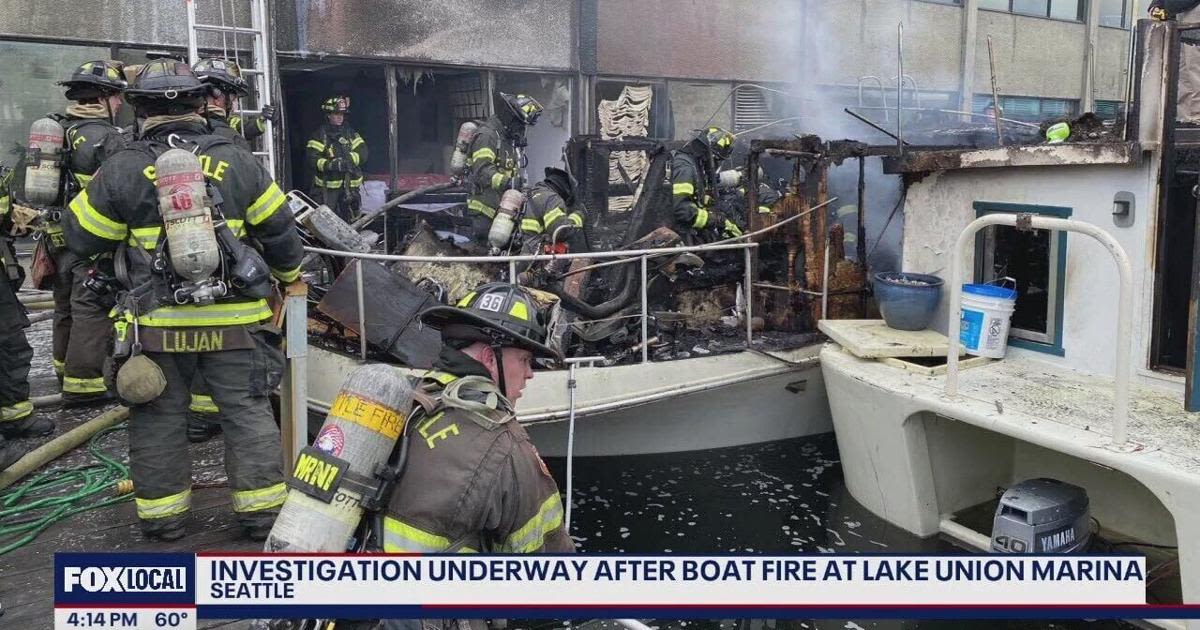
492	302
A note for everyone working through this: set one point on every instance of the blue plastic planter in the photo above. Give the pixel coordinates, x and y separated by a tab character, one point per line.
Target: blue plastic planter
907	306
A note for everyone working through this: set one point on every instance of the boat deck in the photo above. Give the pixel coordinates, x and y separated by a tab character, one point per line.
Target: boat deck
1041	401
27	573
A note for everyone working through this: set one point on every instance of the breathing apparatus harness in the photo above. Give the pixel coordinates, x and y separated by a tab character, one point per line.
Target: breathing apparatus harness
241	271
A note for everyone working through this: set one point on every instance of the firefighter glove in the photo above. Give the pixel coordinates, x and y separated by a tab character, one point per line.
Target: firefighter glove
269	113
731	229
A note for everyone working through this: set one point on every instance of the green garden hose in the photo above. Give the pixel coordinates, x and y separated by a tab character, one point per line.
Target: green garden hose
51	496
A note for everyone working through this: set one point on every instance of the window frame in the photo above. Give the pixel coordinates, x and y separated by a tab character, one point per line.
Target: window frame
1051	341
1080	13
1126	15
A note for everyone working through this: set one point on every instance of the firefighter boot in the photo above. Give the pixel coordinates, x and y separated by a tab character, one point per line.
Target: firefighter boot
9	453
32	425
166	529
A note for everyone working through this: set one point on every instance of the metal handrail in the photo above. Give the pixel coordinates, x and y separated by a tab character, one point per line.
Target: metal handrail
641	255
1124	340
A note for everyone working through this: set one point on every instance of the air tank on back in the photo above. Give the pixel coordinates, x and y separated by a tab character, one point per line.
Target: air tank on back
323	508
462	144
187	218
505	220
43	162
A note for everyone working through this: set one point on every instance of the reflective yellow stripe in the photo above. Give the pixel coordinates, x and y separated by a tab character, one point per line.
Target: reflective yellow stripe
236	123
357	142
266	205
531	536
333	183
498	180
316	146
355	183
286	275
531	225
576	218
321	162
169	505
83	180
445	378
482	208
701	219
4	205
354	157
59	366
232	314
237	226
203	404
146	238
764	210
16	411
91	220
483	154
75	385
261	499
552	216
682	190
400	537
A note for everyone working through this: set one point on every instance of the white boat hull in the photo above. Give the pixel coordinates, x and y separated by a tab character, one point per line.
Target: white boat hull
665	407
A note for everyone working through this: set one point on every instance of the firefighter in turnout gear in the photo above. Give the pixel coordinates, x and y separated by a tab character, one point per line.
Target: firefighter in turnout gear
173	327
82	331
17	416
495	158
336	155
473	481
549	212
226	84
694	178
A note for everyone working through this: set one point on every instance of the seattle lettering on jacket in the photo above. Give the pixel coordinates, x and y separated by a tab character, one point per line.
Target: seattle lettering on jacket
214	171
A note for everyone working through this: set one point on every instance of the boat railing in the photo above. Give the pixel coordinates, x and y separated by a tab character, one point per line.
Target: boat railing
1124	339
617	257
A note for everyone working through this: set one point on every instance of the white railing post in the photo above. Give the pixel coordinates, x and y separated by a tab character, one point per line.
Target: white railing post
294	389
748	312
1124	339
572	385
645	314
362	315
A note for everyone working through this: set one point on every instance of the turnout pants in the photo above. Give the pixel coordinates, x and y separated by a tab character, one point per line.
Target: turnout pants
346	204
15	355
82	328
239	382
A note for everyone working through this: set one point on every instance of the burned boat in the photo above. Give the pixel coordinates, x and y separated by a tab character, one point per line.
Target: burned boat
676	339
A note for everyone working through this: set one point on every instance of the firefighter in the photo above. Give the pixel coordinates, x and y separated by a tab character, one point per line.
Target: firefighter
336	154
495	159
694	179
1184	11
82	332
228	339
17	416
473	481
226	86
548	210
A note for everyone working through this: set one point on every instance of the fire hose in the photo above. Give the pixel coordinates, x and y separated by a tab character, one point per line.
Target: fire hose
32	507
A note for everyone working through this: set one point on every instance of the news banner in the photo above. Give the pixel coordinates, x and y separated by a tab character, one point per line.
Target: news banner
171	590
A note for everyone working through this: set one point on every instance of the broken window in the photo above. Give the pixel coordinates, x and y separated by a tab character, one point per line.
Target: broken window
546	139
660	124
1035	262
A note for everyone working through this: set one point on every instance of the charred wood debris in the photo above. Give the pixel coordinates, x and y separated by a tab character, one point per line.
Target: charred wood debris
695	301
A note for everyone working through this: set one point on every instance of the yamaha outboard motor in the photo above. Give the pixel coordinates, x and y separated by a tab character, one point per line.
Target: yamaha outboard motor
1042	516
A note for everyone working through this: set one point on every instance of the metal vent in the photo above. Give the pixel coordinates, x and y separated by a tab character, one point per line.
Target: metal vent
751	109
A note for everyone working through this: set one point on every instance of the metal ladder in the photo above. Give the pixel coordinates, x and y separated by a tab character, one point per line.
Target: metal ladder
259	75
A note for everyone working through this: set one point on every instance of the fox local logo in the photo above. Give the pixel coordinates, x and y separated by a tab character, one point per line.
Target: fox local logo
99	579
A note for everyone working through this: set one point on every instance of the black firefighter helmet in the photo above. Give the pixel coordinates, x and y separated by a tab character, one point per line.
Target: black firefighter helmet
499	314
166	86
95	79
719	142
562	183
222	74
517	108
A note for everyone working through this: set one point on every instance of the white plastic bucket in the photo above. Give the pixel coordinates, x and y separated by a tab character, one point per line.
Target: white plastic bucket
986	312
